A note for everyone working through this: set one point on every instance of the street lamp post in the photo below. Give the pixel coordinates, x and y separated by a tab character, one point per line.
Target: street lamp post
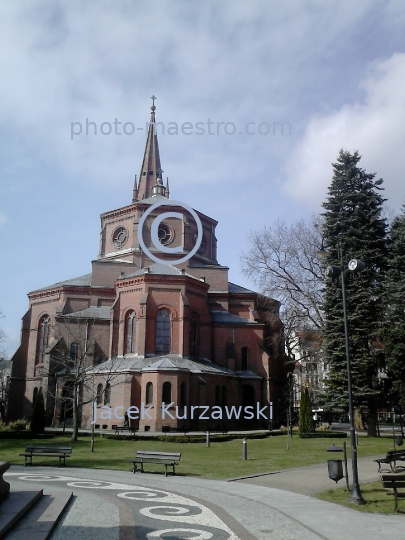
336	271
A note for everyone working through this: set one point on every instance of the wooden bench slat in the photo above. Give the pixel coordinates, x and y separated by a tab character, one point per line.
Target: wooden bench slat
391	458
61	452
168	459
395	482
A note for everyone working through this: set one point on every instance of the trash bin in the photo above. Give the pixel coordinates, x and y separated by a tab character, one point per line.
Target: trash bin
335	469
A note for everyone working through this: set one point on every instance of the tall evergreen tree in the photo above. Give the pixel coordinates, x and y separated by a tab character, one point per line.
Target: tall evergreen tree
353	219
393	335
306	420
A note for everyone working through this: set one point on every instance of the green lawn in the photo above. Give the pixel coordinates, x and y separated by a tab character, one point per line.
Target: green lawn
375	495
222	460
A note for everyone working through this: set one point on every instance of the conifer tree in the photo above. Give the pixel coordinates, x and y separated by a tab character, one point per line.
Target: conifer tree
306	421
393	335
353	220
38	414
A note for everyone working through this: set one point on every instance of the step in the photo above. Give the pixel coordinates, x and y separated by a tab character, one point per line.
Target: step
14	506
39	523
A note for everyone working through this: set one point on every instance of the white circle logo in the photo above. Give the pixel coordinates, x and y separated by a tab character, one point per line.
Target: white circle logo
155	237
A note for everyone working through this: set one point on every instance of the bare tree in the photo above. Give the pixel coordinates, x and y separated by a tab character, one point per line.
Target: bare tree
70	370
283	263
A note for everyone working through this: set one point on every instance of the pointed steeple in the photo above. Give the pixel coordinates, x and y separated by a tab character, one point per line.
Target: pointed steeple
151	170
135	191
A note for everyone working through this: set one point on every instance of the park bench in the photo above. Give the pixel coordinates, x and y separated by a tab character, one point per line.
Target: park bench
168	459
391	458
62	452
121	429
394	482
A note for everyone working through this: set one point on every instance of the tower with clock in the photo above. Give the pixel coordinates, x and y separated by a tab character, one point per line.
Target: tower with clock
144	329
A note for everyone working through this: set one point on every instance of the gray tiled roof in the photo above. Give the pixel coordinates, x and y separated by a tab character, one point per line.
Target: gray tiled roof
154	200
237	289
81	281
92	312
225	317
158	269
170	362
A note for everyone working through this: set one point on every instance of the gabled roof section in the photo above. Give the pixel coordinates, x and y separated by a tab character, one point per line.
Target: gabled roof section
237	289
151	169
81	281
225	317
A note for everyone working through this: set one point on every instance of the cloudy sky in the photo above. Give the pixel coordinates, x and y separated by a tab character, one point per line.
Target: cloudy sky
278	87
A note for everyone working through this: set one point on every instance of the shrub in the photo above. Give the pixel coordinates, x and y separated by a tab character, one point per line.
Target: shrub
19	425
3	426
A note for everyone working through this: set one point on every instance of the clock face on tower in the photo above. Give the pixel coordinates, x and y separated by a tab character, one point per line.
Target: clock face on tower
120	236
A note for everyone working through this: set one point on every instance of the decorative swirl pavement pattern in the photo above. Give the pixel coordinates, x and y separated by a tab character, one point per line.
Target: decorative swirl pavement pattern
157	513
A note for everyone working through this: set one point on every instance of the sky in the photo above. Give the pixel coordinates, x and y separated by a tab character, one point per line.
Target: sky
255	100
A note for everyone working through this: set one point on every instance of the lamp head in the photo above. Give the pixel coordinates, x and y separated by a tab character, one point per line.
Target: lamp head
356	266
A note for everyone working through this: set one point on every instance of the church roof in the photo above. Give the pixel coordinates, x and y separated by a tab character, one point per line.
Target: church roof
81	281
151	169
169	362
155	199
237	289
224	317
93	312
158	269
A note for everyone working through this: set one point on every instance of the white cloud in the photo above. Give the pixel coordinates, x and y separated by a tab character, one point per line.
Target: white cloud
375	127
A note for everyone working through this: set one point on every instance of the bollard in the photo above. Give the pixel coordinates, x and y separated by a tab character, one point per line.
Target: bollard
207	439
244	449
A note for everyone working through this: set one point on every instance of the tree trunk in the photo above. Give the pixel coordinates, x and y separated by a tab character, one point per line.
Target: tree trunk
75	431
372	421
92	438
358	420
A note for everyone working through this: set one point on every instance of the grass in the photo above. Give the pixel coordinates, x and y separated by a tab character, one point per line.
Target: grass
222	460
376	496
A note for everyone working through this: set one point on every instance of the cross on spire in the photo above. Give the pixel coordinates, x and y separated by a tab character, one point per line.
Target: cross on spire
153	102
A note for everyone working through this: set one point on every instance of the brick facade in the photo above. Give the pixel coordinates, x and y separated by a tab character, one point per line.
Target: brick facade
145	332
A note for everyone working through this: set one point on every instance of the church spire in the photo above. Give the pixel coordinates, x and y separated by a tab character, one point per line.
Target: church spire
151	170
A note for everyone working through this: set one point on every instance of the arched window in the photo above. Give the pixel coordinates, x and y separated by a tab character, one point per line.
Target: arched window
224	396
245	358
130	332
167	393
218	395
107	394
99	395
183	394
149	393
34	396
43	338
163	331
194	338
73	351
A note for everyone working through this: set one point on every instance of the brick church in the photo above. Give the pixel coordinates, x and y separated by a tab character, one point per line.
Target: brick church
154	335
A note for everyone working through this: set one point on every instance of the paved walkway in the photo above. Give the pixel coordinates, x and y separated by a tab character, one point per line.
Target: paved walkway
119	505
314	478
